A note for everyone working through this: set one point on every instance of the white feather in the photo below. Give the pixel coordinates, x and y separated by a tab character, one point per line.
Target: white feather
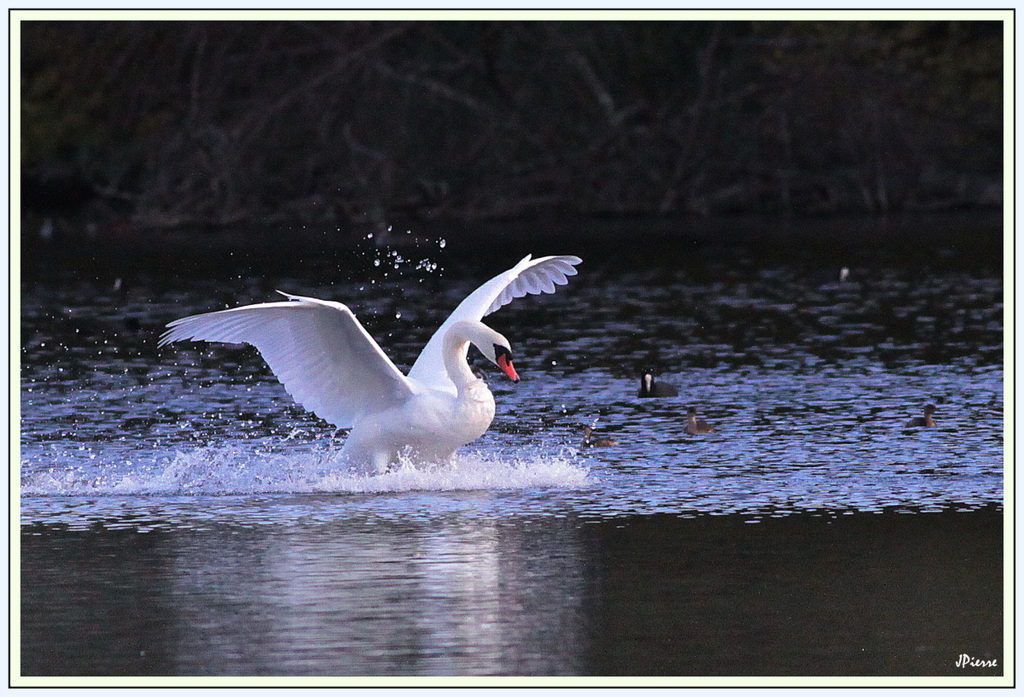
529	276
330	364
315	348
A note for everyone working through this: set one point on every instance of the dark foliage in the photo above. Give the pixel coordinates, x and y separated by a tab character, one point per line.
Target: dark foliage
184	123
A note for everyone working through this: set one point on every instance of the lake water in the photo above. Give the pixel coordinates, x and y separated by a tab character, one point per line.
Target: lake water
182	516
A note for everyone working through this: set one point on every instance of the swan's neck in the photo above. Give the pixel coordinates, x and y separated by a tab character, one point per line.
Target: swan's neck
455	349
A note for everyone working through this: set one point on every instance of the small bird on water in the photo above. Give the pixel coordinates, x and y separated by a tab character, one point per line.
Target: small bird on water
695	425
591	441
925	420
650	388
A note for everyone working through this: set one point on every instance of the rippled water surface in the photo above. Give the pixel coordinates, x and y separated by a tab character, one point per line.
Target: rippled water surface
181	492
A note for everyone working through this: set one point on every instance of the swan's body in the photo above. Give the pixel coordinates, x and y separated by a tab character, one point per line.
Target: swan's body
330	364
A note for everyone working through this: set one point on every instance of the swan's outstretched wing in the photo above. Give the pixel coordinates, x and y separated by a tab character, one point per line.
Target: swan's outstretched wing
528	277
317	349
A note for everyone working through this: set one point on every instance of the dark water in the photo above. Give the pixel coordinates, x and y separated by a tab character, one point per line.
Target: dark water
180	516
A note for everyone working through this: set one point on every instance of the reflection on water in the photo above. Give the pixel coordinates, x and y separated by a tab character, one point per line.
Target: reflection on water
182	516
455	597
359	599
869	594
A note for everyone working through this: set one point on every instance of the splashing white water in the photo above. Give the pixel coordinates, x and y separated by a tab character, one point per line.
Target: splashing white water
241	469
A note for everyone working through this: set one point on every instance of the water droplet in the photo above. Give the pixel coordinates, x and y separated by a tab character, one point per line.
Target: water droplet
376	262
441	243
398	315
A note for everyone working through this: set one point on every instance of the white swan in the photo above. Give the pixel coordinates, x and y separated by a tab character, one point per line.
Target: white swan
329	363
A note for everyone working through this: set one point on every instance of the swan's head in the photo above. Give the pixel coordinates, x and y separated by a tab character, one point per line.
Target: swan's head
929	409
491	344
503	359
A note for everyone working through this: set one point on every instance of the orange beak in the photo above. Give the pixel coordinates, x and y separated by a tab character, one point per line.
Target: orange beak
505	363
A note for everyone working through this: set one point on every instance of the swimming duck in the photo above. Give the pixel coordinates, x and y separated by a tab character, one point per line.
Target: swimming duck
925	420
695	425
590	441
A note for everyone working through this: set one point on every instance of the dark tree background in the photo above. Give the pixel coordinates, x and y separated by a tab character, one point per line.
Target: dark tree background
217	123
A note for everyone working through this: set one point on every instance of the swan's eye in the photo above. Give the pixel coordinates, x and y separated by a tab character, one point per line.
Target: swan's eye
500	351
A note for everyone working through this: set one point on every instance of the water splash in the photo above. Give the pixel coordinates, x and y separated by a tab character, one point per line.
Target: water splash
242	470
399	256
